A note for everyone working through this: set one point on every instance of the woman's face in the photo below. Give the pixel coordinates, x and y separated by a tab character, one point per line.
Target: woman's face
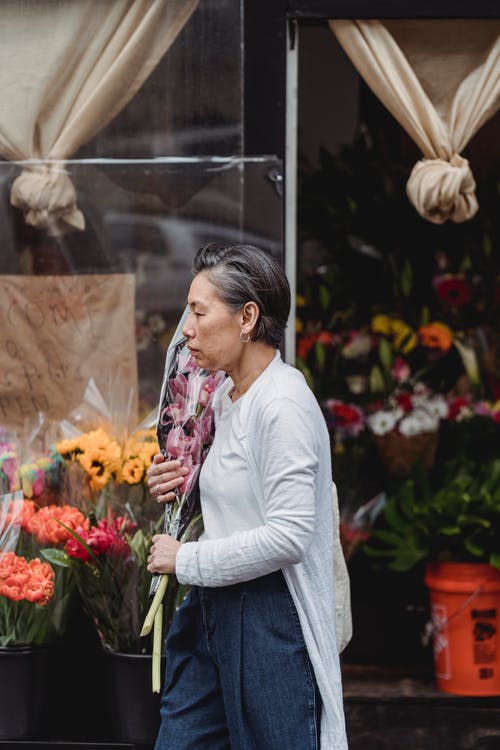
213	330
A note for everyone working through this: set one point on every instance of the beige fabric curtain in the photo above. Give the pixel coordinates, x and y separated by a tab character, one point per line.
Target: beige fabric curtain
441	81
66	69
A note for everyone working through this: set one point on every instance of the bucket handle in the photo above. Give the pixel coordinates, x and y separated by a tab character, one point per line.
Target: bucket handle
430	629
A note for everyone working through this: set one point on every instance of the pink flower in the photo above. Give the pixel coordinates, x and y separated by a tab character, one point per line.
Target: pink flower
178	386
400	370
206	425
176	412
179	444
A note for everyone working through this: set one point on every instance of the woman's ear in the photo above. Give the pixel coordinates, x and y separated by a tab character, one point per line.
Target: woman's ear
250	314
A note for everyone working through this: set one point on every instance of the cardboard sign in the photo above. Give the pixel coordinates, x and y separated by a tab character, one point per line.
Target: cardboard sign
57	333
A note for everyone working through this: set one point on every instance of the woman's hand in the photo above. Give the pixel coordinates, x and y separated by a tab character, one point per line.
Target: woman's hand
163	478
162	554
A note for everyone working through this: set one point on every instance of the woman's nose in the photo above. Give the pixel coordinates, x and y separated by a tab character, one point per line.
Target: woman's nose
187	328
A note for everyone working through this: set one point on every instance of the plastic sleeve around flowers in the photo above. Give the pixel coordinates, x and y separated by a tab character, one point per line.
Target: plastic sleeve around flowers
286	461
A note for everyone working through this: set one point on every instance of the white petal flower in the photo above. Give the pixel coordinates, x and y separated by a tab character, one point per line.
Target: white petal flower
383	421
418	422
438	407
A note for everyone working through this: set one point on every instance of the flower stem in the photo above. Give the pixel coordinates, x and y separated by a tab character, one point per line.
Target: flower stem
156	661
157	600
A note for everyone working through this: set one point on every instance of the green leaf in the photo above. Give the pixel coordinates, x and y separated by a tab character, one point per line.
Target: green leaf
407	560
406	279
58	557
351	204
449	530
474	549
320	354
385	353
377	552
387	536
425	316
487	245
466	518
393	517
325	297
376	379
495	559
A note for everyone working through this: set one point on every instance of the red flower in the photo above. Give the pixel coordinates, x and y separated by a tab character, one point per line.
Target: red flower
104	539
305	344
325	338
452	290
404	401
456	406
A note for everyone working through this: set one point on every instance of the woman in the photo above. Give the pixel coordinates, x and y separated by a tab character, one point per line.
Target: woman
252	659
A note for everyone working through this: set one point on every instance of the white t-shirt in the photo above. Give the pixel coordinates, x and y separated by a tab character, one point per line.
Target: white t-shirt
266	496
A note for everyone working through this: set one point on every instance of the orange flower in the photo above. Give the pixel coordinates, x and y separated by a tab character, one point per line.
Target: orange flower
46	525
33	581
21	518
436	336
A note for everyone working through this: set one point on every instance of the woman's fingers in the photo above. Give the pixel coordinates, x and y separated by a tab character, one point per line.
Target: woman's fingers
164	477
162	489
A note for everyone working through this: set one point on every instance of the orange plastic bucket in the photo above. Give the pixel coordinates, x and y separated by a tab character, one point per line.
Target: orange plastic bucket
465	611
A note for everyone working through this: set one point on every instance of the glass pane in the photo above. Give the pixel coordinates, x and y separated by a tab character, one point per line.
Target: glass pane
144	221
192	102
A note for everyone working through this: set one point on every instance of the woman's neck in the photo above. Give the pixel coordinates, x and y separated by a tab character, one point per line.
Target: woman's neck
257	356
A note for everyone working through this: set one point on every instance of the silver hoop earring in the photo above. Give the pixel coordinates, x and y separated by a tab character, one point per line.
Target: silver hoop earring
244	340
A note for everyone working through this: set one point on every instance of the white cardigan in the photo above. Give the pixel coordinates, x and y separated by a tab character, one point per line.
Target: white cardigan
284	435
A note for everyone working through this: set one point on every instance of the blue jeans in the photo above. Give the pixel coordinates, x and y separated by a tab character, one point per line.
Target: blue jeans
238	673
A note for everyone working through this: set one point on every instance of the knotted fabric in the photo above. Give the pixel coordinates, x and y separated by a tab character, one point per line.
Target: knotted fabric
442	190
47	197
66	69
441	81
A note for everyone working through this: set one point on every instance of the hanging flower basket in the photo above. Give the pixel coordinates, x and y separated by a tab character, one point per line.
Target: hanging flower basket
400	453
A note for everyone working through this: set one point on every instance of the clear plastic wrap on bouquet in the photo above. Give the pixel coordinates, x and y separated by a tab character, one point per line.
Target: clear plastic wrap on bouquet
185	429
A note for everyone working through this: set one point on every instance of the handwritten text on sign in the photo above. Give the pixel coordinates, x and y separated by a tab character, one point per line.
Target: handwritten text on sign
58	332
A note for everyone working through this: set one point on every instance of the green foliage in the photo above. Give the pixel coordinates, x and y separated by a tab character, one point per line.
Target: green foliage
459	521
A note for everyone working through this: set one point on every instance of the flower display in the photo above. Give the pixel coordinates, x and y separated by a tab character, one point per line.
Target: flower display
403	338
409	413
97	453
104	459
26	591
108	557
347	420
38	479
137	455
52	524
20	579
106	538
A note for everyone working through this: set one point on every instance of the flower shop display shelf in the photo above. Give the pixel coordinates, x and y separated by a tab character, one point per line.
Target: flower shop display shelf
393	709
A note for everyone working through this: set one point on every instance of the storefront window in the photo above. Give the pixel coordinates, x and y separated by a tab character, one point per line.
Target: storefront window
161	178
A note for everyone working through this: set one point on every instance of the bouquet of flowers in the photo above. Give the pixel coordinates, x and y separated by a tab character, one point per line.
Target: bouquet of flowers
33	598
107	557
102	472
406	427
38	479
185	431
105	541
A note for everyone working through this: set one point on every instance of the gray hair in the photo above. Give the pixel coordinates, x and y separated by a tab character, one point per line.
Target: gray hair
245	273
